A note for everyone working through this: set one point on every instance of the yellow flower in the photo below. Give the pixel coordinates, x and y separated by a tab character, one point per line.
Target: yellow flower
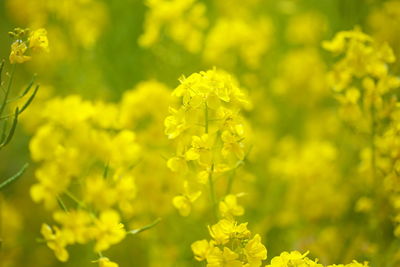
201	249
233	40
38	41
294	258
105	262
177	164
124	149
231	246
184	202
52	182
306	28
364	204
255	251
18	50
181	20
125	189
225	230
232	145
99	192
107	230
75	225
175	124
225	258
353	264
337	45
229	207
55	241
201	149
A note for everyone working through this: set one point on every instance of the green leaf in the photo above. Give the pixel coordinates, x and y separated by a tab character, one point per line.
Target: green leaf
14	177
3	132
12	129
30	99
28	88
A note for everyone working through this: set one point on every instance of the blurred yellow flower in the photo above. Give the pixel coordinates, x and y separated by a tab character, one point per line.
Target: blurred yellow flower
18	50
201	249
229	207
55	241
105	262
108	230
225	258
38	41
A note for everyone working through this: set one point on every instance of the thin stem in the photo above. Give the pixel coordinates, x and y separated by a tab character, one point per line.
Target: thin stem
106	169
206	118
144	228
3	105
14	177
7	116
372	141
71	196
212	192
210	178
62	204
231	178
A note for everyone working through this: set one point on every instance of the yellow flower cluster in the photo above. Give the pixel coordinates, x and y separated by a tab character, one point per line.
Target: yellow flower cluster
361	57
296	259
80	227
143	110
233	39
12	226
84	20
387	163
85	173
382	15
181	20
311	169
232	245
306	28
208	130
27	41
363	62
319	179
300	84
374	110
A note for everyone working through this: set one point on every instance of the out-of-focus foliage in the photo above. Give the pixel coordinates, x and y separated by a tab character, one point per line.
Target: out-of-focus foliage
200	133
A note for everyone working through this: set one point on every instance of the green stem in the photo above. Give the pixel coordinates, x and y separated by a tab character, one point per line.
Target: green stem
3	105
372	141
210	178
62	204
14	177
212	192
206	118
144	228
231	178
71	196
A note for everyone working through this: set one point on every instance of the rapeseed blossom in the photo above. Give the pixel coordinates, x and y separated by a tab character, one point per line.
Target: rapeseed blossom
200	133
27	41
231	246
207	117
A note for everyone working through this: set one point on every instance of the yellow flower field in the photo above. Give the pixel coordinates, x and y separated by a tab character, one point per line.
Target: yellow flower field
217	133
